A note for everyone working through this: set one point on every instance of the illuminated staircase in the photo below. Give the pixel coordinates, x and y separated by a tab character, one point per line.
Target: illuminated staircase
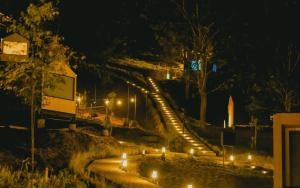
172	121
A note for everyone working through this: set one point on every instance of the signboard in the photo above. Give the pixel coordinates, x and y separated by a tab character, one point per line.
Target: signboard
15	48
228	137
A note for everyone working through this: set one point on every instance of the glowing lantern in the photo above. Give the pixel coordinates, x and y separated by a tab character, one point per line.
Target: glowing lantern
124	156
249	157
154	174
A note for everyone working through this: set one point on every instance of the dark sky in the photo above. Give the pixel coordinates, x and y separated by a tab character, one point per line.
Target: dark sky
91	26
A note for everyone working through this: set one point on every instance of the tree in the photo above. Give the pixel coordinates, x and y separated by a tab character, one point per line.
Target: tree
282	82
25	79
203	48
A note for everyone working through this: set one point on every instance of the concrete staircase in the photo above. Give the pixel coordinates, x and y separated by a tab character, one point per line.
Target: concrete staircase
172	121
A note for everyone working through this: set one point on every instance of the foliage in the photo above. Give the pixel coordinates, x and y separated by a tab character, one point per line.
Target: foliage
23	178
45	48
276	90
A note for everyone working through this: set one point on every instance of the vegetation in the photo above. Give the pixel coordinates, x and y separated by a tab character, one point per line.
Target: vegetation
24	178
45	47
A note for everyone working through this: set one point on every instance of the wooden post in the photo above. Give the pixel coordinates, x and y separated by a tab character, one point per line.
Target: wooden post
46	175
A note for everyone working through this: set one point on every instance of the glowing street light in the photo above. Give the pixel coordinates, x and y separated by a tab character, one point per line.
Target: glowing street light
231	158
106	101
119	102
132	100
190	186
78	99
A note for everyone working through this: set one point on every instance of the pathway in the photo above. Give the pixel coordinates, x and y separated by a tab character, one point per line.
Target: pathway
110	169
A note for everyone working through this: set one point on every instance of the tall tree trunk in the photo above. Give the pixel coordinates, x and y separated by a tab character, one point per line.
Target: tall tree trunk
203	104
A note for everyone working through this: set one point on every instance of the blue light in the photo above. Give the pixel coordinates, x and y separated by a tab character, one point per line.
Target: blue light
214	68
196	65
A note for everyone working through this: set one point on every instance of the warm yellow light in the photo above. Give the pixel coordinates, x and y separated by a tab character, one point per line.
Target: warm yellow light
154	174
132	99
192	151
124	156
264	172
106	101
143	152
78	99
163	149
124	163
249	157
119	102
231	158
253	167
190	186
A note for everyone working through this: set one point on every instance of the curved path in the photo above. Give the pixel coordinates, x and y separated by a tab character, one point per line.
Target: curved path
110	169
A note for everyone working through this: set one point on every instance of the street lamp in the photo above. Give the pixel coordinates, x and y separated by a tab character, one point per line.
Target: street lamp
231	158
133	100
106	101
119	102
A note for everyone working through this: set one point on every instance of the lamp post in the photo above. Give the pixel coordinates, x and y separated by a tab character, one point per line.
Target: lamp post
127	119
146	109
135	107
133	100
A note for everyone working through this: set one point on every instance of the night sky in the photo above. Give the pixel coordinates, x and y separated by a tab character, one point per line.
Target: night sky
91	26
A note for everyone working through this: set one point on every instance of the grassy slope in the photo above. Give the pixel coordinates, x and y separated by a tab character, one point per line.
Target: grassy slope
62	151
